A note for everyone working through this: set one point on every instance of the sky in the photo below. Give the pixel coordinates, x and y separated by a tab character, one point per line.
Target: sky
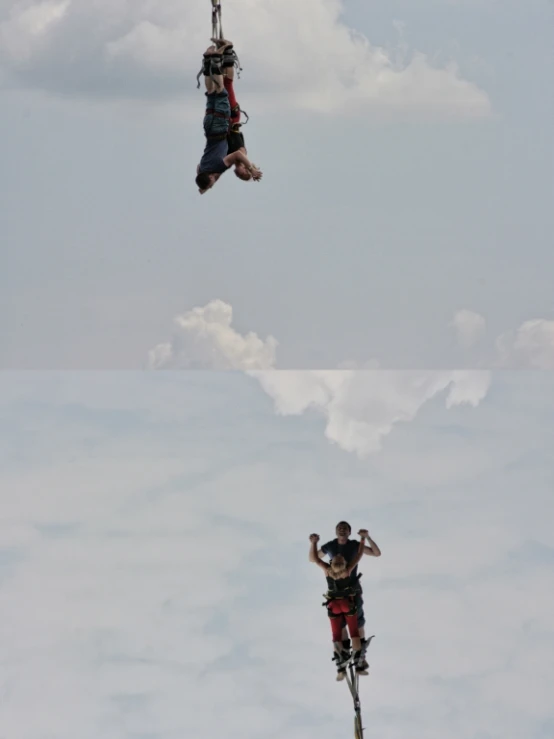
154	573
193	385
408	171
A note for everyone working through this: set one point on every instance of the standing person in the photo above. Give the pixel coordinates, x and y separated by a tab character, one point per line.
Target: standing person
340	602
348	548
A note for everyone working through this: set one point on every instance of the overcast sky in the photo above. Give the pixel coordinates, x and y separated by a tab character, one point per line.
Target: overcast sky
154	577
407	152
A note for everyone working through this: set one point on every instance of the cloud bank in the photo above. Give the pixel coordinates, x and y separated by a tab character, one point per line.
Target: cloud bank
531	346
360	407
110	630
145	50
203	338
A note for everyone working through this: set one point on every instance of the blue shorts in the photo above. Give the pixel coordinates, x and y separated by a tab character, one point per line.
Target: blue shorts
218	114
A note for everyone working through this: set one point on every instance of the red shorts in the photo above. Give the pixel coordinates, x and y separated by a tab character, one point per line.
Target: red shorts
342	607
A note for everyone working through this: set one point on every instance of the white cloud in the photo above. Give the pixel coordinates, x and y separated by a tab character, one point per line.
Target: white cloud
204	338
470	327
362	407
531	346
302	54
112	630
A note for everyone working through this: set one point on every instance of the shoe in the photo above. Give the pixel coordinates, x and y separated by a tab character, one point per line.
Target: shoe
342	659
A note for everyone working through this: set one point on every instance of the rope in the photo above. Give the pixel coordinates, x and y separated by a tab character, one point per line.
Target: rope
216	20
217	33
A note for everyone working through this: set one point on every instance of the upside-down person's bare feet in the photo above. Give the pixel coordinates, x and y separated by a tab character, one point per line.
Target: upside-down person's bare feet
221	43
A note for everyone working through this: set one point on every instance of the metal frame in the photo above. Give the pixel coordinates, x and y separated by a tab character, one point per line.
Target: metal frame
352	678
217	25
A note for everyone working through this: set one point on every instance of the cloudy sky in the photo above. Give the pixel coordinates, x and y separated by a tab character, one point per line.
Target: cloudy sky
154	579
370	329
407	152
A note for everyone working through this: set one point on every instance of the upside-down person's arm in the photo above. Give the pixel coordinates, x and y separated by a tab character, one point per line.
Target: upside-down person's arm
359	554
237	157
373	550
315	558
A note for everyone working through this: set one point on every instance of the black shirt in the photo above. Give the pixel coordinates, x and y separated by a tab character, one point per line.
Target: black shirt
348	551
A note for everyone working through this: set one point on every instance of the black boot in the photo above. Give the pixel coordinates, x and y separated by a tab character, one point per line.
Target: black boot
363	662
342	659
358	664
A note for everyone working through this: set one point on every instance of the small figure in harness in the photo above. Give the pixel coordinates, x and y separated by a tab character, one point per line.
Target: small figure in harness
341	603
218	69
348	548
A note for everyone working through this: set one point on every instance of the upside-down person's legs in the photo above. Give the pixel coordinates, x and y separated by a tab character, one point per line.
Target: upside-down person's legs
354	632
228	72
361	631
228	81
341	654
213	73
338	609
361	618
359	661
235	108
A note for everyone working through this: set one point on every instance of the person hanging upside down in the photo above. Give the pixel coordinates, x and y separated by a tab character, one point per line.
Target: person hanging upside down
348	548
341	603
217	120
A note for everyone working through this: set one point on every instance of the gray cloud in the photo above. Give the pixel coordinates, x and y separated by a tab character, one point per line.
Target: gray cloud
203	338
360	407
138	49
470	327
531	346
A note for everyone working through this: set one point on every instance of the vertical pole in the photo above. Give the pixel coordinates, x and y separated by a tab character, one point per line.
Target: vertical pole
215	7
220	21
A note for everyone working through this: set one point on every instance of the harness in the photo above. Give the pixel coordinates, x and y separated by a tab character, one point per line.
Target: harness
230	59
239	110
348	593
217	114
220	137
